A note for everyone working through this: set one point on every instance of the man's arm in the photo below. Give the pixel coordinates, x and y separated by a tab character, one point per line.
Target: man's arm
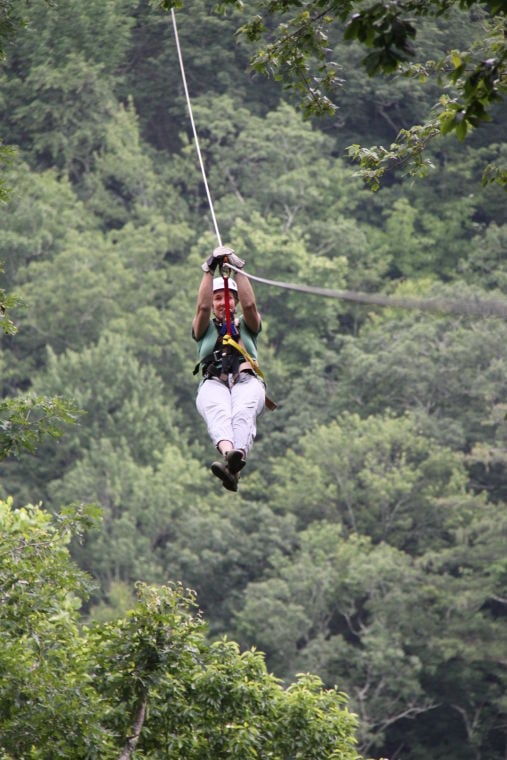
248	304
204	305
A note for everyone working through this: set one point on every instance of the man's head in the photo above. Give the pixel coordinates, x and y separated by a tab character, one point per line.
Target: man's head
219	297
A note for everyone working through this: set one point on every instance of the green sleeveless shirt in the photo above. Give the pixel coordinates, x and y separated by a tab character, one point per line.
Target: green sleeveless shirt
206	344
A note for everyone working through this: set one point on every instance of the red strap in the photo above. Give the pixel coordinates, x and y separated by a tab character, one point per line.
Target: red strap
227	305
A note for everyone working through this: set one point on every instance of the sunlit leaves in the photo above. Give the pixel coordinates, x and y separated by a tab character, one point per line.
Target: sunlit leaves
6	155
405	154
149	680
292	46
25	421
7	302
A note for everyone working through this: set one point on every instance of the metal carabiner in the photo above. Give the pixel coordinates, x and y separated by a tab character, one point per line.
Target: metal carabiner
225	270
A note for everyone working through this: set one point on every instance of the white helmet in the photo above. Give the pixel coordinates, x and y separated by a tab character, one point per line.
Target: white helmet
218	284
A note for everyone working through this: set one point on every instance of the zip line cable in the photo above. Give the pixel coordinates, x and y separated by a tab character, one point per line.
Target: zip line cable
196	139
477	307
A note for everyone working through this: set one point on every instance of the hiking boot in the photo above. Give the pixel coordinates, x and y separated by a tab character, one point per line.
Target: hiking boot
229	479
235	460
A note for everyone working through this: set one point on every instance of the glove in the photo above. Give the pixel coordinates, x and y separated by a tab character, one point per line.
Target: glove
210	264
235	260
222	251
218	256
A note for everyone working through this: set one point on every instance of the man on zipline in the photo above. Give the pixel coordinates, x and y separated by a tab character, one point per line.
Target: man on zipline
231	395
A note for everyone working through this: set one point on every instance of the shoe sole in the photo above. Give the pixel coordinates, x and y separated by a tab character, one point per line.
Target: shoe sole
219	470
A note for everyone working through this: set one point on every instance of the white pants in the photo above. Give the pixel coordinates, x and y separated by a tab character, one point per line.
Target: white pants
231	412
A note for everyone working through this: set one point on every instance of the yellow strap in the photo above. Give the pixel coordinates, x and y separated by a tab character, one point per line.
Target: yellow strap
228	341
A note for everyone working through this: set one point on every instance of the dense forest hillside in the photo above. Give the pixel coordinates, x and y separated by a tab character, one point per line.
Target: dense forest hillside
366	544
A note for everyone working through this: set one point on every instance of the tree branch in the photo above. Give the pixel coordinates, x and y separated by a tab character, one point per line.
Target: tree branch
131	743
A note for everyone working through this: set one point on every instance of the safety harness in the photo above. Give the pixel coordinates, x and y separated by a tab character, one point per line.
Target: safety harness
229	357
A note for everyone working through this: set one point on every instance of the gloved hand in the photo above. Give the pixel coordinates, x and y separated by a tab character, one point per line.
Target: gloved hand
223	251
218	256
210	264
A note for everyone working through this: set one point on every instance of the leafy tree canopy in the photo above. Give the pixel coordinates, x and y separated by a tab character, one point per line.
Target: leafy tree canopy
148	683
294	41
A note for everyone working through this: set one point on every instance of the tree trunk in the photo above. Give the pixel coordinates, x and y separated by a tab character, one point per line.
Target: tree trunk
131	743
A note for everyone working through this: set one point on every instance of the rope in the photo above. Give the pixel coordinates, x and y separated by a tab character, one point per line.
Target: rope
477	307
196	139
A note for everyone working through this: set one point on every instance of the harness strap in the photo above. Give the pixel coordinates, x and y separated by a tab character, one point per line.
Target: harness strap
270	404
225	276
228	341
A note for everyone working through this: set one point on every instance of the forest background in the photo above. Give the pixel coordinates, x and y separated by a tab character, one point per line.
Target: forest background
367	542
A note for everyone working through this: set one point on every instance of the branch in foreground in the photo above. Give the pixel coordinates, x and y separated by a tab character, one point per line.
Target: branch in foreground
132	741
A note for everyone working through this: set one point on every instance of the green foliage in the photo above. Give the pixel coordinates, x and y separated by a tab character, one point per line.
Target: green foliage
7	302
98	31
379	477
40	211
60	110
437	365
148	682
142	505
26	420
292	44
11	22
119	599
477	81
486	265
124	186
6	155
218	548
76	98
366	543
355	612
47	703
407	152
336	597
112	386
